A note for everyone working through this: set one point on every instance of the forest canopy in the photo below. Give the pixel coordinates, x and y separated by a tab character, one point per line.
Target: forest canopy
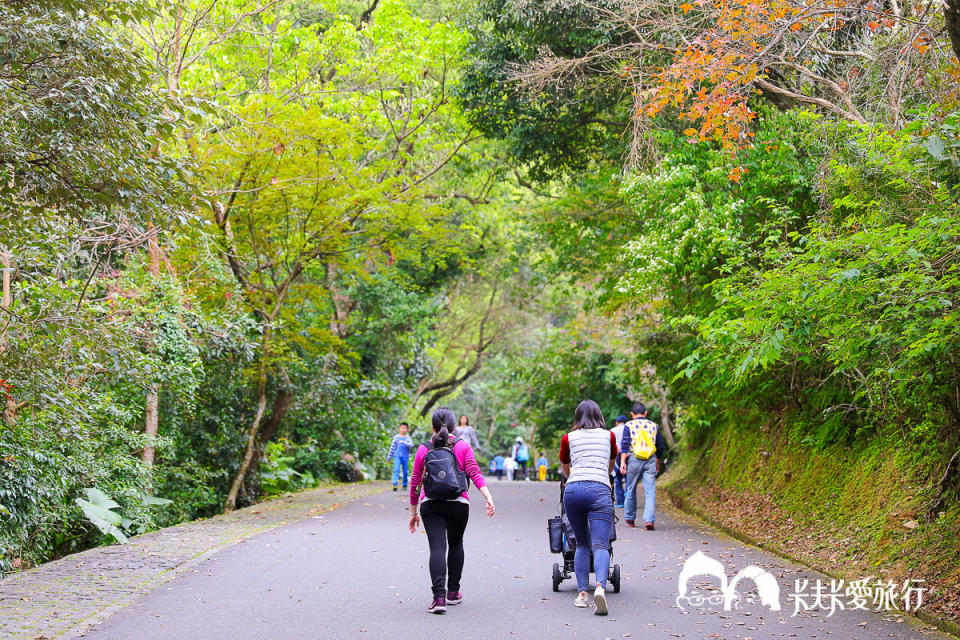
243	239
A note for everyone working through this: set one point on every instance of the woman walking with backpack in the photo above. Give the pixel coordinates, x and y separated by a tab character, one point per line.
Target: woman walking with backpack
440	470
587	455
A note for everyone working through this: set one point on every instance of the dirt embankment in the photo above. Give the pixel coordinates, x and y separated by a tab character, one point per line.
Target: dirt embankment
849	513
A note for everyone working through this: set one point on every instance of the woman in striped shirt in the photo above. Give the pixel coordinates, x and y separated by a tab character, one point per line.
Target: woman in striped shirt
587	455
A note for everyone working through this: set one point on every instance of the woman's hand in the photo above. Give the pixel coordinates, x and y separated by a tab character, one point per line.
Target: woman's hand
486	494
414	522
623	468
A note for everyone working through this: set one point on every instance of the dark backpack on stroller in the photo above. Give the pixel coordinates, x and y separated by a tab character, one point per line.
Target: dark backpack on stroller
443	479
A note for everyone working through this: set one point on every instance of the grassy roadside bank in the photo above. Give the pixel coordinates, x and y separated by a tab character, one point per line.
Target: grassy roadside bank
848	513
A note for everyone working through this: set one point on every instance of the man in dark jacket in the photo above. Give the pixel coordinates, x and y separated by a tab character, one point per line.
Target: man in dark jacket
639	469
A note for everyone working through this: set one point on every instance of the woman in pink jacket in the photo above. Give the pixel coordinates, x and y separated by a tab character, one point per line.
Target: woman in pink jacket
445	521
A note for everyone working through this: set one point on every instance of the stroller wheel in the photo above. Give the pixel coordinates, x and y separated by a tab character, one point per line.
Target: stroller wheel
615	578
557	577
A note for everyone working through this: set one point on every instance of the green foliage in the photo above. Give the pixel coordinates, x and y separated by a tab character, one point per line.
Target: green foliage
563	128
856	317
99	509
80	122
278	473
355	255
50	458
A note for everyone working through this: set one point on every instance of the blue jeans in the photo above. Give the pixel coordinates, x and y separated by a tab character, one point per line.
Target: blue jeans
590	510
618	482
637	471
401	462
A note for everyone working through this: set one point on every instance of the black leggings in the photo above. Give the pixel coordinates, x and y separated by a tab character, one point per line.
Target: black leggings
445	522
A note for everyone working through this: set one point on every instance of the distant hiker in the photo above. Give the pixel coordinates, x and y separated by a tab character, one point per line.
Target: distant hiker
400	455
440	471
465	432
522	455
618	478
587	456
493	466
510	468
542	466
498	462
641	450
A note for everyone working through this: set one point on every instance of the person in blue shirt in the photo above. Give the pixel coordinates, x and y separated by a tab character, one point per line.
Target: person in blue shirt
498	461
521	454
542	466
400	455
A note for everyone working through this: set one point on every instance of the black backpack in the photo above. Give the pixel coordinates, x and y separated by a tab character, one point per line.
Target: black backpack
443	479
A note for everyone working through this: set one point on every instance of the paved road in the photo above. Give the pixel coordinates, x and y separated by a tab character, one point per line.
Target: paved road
358	573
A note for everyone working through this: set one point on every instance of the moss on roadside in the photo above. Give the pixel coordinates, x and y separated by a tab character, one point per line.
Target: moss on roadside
851	511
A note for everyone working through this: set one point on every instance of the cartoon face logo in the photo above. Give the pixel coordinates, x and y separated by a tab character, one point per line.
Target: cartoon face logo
702	565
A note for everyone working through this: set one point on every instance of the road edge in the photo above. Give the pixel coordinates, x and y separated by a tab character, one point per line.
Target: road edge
159	580
678	504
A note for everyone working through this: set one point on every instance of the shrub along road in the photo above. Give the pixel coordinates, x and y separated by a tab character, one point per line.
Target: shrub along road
358	573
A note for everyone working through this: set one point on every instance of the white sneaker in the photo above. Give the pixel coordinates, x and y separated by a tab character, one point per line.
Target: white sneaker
600	601
582	601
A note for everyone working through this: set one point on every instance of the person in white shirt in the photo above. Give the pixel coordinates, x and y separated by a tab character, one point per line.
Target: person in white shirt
509	467
587	456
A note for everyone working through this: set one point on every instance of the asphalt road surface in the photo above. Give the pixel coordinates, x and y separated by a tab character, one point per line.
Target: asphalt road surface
359	573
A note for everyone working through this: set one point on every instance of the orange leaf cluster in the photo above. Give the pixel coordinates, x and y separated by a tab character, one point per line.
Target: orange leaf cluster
710	81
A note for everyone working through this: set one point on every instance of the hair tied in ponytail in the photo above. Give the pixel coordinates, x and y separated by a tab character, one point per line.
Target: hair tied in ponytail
444	422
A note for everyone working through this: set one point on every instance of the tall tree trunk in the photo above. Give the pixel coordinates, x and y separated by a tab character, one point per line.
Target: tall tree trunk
665	419
951	16
6	280
152	420
254	431
11	411
272	424
152	417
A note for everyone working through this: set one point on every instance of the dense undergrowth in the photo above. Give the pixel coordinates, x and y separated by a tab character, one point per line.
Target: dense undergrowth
853	511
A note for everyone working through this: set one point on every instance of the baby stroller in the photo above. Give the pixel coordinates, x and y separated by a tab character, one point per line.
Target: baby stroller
564	542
